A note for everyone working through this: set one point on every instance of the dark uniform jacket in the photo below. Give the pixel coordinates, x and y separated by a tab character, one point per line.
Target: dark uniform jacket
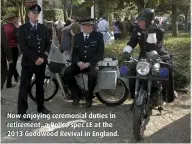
138	37
5	51
33	43
92	52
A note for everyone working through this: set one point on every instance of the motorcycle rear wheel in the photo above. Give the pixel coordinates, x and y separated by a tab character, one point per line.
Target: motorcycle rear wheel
110	102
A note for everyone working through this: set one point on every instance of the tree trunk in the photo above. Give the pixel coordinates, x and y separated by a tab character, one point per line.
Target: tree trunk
140	5
174	20
65	10
186	12
22	12
2	3
71	9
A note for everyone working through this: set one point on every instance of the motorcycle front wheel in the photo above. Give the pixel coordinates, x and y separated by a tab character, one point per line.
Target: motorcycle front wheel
114	97
140	118
50	89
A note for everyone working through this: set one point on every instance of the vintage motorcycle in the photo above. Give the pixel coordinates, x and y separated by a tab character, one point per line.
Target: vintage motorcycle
151	71
108	82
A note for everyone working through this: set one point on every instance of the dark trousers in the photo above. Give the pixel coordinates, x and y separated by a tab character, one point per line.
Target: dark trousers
4	73
117	36
26	76
13	66
167	86
73	70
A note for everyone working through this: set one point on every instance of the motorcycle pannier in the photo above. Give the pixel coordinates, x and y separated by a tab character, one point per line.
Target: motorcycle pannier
107	78
108	62
108	74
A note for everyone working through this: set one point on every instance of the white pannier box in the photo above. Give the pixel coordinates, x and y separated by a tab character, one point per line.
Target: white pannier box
108	62
107	78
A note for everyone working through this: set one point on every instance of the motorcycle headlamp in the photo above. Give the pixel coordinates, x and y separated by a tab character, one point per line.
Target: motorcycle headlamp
143	68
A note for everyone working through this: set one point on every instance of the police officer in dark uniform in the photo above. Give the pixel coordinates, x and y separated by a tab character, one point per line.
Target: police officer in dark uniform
149	37
88	50
35	45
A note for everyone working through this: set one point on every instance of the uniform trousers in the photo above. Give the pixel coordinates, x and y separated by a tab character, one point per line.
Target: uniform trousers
26	76
70	80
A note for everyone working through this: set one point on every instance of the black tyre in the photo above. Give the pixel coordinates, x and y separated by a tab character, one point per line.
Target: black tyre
48	96
138	129
140	118
106	98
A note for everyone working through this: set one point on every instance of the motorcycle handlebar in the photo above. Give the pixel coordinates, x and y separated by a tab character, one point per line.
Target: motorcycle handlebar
166	64
131	60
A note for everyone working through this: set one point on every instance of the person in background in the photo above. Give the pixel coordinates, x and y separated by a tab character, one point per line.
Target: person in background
11	34
5	56
103	27
126	26
35	46
117	30
75	28
66	39
58	28
16	33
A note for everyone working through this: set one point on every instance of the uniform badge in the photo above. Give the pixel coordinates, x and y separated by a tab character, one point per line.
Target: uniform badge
139	33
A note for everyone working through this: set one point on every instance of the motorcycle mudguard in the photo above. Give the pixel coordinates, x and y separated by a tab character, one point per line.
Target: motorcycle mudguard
126	81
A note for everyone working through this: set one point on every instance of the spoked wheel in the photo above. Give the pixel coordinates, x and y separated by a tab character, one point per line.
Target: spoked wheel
140	121
50	89
114	97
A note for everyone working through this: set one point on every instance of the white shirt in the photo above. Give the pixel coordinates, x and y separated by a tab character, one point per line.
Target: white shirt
33	24
103	26
85	35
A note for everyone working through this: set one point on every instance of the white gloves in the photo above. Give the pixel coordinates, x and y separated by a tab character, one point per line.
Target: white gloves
127	49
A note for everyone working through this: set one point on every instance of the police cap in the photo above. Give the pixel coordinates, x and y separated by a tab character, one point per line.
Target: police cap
35	9
89	21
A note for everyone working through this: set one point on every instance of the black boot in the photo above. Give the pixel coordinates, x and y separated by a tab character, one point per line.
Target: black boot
88	103
76	101
89	98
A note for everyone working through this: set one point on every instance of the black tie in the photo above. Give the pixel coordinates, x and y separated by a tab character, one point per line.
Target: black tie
86	40
35	27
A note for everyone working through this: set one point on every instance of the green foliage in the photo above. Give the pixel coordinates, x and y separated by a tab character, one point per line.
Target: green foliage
53	14
8	10
179	47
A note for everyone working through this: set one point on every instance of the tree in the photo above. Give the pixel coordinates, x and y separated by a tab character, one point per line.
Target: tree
19	5
175	7
67	6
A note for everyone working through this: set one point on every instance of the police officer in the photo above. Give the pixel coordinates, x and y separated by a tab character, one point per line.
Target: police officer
88	50
153	41
35	45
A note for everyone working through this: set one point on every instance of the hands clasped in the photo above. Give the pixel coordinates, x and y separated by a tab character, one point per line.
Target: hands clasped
39	61
83	65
